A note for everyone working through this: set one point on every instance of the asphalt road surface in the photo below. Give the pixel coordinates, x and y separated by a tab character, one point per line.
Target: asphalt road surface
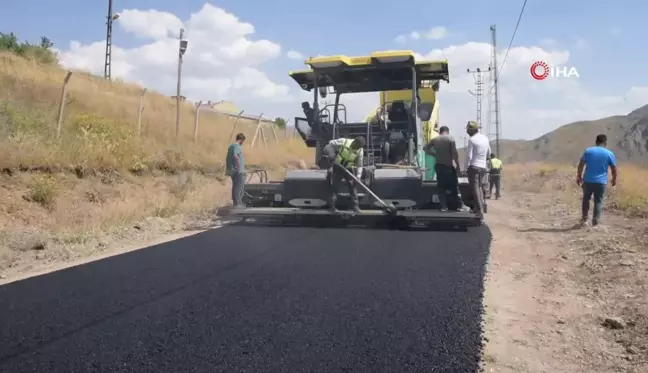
258	299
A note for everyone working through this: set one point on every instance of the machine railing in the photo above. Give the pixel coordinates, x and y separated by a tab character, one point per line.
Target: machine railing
341	109
261	174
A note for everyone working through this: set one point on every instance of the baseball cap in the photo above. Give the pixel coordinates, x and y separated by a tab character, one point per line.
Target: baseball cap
472	125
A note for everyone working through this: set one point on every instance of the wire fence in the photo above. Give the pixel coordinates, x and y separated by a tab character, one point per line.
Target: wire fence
260	130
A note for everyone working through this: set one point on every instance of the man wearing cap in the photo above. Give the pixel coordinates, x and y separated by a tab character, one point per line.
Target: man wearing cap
346	153
477	156
444	149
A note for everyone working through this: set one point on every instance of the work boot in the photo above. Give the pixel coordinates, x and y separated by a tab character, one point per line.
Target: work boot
463	208
357	209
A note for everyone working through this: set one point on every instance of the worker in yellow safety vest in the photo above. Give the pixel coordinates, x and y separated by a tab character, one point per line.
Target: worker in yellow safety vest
346	153
494	175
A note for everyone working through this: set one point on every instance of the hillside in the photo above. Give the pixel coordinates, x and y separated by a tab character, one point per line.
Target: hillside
627	138
68	191
507	146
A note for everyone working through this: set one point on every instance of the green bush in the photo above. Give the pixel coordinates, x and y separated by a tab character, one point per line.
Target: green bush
41	53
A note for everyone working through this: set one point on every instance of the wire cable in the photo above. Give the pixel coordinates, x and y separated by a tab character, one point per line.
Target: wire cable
509	46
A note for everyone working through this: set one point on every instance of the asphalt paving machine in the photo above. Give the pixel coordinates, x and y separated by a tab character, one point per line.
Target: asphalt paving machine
398	184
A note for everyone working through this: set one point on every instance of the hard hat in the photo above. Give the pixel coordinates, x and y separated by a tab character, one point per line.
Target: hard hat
472	125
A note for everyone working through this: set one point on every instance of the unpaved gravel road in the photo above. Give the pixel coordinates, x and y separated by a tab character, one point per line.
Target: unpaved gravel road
551	285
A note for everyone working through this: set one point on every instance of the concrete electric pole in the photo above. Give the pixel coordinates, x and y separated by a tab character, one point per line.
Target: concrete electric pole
108	57
182	48
478	75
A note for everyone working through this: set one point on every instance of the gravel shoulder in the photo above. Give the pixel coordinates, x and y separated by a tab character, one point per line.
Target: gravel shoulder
561	298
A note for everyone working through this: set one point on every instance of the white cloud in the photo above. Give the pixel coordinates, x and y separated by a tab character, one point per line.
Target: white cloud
294	55
435	33
150	24
402	38
223	59
529	108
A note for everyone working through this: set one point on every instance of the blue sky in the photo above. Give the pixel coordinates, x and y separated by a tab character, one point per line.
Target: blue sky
603	39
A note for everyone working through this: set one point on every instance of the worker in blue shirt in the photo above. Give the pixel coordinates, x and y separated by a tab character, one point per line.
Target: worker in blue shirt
596	160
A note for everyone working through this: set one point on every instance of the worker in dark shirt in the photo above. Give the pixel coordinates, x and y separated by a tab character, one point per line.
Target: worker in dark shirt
444	149
308	112
235	165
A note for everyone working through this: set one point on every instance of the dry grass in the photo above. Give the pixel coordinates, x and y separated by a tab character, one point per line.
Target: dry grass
100	179
99	130
629	197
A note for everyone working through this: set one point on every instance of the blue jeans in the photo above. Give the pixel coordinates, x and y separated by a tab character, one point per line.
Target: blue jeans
238	181
598	191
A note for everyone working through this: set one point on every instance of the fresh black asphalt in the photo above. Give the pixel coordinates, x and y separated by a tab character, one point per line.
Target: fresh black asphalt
258	299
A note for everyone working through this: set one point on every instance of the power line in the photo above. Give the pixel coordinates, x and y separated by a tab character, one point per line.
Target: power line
510	43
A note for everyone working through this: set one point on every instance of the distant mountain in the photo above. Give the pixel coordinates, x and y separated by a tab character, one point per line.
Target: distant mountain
627	138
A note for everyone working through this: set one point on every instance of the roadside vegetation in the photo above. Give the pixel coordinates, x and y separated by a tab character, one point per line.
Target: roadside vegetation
629	197
70	193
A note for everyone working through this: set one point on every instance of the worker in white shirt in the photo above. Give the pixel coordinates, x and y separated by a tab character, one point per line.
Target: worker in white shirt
477	156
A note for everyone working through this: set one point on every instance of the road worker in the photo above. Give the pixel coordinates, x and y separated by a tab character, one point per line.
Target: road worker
495	175
235	165
346	153
477	156
444	148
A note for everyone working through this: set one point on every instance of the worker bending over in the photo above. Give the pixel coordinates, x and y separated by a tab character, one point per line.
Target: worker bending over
348	154
495	176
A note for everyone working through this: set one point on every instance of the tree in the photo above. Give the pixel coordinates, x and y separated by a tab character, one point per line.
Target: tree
280	122
39	52
46	43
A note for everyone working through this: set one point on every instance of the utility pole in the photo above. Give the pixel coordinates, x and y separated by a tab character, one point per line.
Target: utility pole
494	91
490	111
108	57
478	75
182	48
